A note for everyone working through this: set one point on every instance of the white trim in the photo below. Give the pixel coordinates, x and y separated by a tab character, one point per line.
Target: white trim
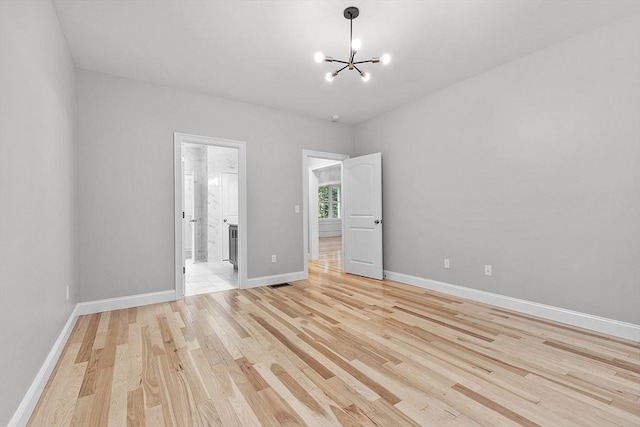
109	304
276	279
306	154
30	399
178	139
583	320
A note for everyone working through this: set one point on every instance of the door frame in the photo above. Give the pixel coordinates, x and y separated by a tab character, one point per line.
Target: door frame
179	261
306	154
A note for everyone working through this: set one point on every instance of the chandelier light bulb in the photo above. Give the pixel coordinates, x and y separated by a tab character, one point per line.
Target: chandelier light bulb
329	77
385	59
356	44
365	76
319	57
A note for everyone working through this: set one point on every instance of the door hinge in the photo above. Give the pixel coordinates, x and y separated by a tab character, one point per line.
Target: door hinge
183	214
184	270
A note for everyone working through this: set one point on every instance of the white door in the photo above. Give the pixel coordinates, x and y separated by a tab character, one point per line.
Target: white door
362	207
229	197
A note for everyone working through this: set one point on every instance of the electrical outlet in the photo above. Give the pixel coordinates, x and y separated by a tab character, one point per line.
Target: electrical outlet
274	258
446	263
67	293
487	270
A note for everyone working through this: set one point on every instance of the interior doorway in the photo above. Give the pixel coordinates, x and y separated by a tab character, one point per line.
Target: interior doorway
360	205
325	206
322	194
211	171
210	183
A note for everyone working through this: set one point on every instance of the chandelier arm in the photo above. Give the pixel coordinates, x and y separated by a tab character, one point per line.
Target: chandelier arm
363	62
341	62
342	68
357	69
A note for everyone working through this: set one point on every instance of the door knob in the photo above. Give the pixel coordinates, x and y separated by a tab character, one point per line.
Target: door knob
377	221
224	220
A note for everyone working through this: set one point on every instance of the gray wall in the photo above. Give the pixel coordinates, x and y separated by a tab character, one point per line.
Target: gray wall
532	167
37	134
125	185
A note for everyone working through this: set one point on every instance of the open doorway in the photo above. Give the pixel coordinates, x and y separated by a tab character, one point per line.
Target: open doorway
360	207
322	195
211	209
210	191
325	192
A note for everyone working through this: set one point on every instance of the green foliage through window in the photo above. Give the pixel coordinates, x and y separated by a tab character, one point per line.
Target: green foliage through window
329	201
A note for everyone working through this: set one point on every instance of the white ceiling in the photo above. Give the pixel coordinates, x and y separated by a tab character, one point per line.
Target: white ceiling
261	52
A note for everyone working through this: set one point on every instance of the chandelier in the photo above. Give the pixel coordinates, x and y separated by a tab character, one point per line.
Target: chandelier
351	13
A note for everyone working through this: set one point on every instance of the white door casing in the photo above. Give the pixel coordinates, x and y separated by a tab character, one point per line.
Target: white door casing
229	190
362	207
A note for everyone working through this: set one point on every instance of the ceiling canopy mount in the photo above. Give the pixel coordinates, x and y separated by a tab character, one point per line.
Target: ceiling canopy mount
351	12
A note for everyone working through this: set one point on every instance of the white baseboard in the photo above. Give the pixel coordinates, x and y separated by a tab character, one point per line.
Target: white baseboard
119	303
575	318
30	399
275	279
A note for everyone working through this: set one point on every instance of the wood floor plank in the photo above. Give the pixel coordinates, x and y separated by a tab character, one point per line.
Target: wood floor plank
135	408
224	410
208	414
89	337
60	412
101	331
494	406
337	350
134	357
82	412
100	408
118	396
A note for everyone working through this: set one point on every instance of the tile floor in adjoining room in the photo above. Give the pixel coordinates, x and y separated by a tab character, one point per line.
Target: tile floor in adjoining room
205	277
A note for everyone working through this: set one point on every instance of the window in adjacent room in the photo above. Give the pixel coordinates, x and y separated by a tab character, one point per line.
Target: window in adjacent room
329	201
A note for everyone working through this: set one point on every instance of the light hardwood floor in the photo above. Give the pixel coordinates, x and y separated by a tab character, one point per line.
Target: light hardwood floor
338	350
330	249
